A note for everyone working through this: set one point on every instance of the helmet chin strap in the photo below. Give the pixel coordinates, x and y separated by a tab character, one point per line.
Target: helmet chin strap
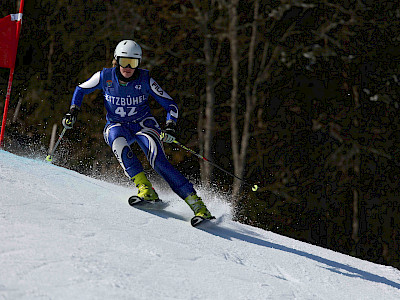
122	78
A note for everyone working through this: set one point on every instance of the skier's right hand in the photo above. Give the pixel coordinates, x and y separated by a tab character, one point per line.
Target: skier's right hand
168	134
70	117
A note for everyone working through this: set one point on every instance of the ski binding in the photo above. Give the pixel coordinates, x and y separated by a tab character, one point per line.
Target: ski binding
197	220
138	202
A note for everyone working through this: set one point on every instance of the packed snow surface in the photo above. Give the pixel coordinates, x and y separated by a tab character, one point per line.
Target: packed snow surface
68	236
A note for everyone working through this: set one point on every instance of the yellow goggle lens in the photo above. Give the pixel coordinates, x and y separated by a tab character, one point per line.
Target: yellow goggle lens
127	61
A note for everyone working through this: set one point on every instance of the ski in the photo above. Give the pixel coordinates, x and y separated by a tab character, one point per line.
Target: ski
197	220
138	202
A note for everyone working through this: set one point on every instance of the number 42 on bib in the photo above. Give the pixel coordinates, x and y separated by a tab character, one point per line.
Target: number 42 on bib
120	110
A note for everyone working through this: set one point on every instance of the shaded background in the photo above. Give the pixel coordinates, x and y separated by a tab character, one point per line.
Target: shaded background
300	97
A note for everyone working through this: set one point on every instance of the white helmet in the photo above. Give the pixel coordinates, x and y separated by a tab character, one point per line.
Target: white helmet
128	48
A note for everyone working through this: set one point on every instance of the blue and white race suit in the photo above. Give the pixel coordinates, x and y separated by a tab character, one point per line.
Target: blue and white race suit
129	120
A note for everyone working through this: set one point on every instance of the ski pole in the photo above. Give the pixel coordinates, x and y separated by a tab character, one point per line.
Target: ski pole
254	187
50	156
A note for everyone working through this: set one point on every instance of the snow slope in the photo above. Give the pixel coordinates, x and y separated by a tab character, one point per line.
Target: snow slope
67	236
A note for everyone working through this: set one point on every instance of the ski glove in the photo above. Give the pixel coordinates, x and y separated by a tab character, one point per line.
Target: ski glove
70	117
168	134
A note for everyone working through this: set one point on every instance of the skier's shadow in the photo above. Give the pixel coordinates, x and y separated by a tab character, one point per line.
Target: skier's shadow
333	266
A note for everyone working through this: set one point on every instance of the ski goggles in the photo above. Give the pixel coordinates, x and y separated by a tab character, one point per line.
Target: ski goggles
130	62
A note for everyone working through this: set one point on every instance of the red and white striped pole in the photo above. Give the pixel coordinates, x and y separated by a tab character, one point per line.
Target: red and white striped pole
17	18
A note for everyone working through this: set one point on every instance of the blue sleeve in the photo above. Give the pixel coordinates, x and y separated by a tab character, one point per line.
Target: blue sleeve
165	100
94	83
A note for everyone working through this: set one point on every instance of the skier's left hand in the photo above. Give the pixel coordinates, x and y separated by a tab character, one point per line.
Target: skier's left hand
168	134
70	117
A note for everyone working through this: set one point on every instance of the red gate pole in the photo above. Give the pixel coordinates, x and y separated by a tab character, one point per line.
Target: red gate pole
10	78
3	124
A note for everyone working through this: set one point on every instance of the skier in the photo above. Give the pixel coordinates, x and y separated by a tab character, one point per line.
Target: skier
126	89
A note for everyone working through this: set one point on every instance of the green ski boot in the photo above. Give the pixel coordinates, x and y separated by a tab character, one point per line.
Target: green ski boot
198	207
145	189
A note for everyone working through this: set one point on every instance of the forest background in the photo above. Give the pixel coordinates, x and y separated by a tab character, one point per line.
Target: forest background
300	97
